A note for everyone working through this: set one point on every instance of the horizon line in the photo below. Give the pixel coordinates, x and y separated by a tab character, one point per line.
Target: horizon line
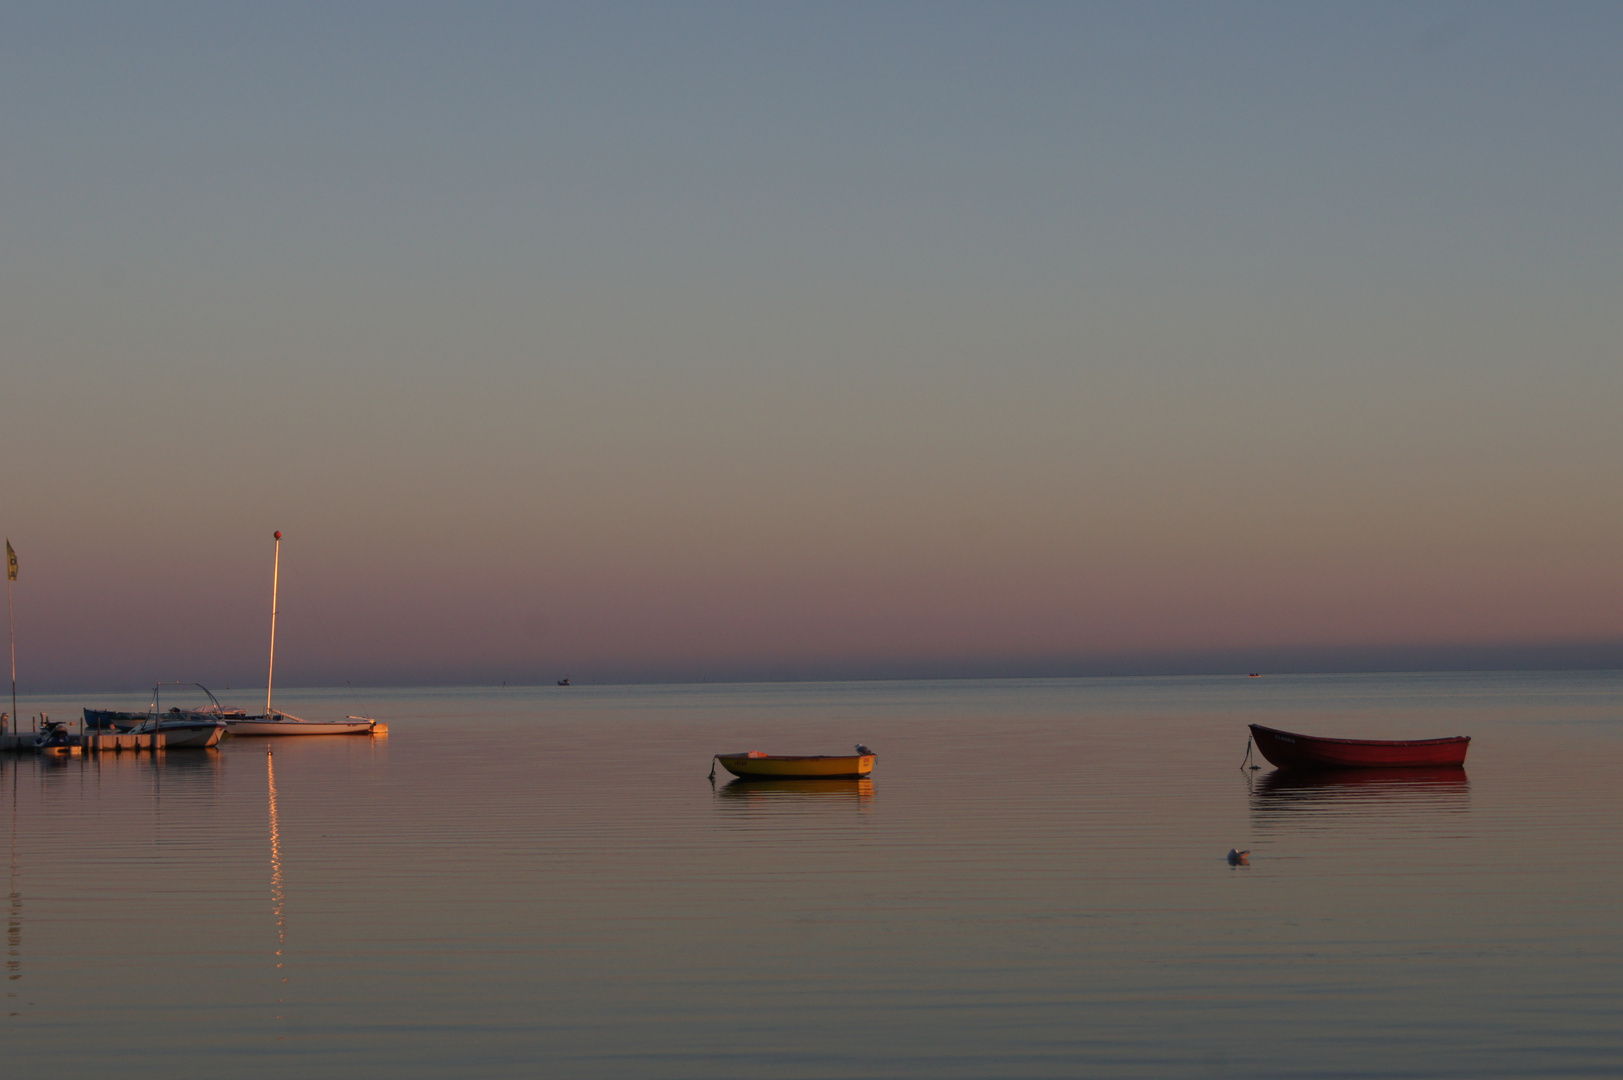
814	681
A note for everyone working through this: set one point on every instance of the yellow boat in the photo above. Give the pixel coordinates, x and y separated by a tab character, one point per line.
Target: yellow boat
755	765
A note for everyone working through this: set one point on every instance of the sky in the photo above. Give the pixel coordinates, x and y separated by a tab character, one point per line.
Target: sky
736	341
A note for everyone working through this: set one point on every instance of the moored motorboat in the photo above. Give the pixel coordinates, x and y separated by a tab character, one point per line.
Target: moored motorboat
755	765
183	731
1287	749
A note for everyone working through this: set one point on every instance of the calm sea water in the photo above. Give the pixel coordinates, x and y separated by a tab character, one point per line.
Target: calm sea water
1034	884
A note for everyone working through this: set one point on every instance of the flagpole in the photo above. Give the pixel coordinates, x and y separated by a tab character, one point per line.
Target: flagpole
276	569
11	624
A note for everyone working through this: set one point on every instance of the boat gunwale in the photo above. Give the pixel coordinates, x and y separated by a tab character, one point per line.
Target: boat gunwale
797	766
792	757
1361	742
299	727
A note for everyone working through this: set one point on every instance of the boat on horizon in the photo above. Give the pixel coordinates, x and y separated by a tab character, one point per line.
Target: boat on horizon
1290	750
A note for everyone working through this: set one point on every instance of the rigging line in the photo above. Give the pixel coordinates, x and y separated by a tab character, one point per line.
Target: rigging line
322	633
366	707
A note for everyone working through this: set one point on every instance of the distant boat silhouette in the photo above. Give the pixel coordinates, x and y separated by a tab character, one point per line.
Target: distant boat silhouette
563	682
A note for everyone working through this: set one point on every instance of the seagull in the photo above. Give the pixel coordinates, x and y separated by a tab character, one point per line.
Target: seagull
1239	858
863	749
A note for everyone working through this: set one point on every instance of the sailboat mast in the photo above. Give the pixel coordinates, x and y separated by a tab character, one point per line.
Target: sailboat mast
276	569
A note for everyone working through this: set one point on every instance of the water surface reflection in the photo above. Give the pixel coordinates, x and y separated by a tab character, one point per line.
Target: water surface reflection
1352	791
14	898
822	790
1036	897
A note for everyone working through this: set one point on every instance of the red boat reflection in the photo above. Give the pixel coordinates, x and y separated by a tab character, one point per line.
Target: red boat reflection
1288	750
1333	790
1354	781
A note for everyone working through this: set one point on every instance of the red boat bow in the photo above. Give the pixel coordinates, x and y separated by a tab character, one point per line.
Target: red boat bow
1288	750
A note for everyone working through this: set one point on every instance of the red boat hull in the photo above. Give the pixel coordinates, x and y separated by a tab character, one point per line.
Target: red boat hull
1289	750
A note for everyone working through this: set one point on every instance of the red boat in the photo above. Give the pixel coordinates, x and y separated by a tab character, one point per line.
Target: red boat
1288	750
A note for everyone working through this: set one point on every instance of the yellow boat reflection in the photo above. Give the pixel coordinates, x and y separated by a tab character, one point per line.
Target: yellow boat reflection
815	788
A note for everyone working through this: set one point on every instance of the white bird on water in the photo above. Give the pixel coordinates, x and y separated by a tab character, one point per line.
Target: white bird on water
1239	858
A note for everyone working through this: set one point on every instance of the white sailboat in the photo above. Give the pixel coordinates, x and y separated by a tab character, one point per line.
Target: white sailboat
280	723
276	722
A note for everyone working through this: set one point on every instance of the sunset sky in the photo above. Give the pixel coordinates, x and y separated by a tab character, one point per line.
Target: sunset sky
778	341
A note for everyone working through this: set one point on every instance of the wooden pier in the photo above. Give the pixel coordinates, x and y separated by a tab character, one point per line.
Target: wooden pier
93	742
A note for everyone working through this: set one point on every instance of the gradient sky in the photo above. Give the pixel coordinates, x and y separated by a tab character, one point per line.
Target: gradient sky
739	341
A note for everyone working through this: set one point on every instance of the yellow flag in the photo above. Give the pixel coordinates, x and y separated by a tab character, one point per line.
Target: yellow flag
11	563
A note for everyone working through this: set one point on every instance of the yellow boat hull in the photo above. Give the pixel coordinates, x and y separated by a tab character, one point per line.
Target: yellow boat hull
778	767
